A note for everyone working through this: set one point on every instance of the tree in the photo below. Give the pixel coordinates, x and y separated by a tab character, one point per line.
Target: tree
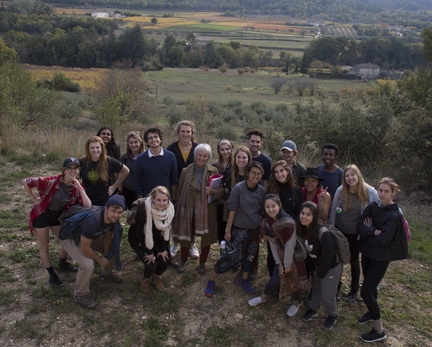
122	97
427	41
197	110
277	84
154	20
304	65
7	55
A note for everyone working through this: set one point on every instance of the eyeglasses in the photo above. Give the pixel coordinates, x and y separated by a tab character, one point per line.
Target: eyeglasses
255	174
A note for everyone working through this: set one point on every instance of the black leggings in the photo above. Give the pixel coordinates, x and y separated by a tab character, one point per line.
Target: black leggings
373	273
354	261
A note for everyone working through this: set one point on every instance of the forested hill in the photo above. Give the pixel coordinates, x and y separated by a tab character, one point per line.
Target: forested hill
293	8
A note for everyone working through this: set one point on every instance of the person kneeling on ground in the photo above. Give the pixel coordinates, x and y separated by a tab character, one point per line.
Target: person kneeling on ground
149	235
280	229
86	233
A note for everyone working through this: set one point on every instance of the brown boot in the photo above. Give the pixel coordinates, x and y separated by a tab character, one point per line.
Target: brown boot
156	281
145	285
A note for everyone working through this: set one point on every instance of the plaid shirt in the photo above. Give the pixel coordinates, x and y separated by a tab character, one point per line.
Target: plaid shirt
47	187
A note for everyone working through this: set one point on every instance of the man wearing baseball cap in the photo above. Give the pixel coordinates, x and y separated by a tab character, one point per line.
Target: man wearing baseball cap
94	236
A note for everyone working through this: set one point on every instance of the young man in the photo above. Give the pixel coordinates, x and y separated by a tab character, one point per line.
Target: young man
331	173
289	154
155	167
94	237
255	142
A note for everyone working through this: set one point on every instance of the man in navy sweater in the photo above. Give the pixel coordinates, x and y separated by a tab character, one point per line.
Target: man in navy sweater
155	167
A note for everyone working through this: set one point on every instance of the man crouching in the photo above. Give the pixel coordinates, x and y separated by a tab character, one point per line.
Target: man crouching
86	233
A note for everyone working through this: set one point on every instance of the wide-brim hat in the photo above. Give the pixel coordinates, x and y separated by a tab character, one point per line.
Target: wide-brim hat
312	172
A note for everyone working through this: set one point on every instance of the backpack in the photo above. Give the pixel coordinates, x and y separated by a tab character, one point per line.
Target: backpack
406	227
343	250
72	223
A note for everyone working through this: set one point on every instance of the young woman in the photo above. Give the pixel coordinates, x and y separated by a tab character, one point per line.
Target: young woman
135	146
323	262
224	164
56	194
242	158
183	150
280	230
245	203
313	192
348	204
383	239
96	168
107	136
195	216
149	236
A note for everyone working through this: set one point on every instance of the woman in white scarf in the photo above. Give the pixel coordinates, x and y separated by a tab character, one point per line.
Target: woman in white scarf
149	236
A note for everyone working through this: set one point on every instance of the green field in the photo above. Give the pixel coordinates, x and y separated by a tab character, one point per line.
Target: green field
181	84
205	27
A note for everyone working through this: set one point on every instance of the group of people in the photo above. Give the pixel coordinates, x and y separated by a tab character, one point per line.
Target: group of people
238	201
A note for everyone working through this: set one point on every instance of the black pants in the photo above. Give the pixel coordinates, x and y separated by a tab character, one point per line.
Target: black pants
158	267
373	273
354	261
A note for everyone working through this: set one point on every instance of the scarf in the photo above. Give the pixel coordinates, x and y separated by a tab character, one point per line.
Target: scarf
200	206
161	219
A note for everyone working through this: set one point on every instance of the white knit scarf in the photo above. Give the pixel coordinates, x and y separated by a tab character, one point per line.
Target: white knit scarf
161	219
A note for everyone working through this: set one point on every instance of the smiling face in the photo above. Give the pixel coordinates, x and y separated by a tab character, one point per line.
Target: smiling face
105	135
287	155
185	133
95	150
385	194
351	178
71	172
281	174
201	158
311	184
241	159
255	143
272	208
160	201
225	151
328	156
254	176
306	216
112	214
153	140
134	145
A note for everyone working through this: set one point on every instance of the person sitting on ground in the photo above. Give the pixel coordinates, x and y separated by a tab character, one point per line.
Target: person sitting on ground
149	236
56	194
242	233
96	231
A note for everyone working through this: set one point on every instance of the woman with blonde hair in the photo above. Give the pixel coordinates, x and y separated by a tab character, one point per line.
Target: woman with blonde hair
135	146
96	168
149	236
55	194
348	204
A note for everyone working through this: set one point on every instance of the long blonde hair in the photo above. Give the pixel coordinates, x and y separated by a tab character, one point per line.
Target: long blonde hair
362	189
235	170
102	163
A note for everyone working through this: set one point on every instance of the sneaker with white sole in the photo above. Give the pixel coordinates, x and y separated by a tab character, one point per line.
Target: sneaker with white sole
330	322
308	315
292	311
367	317
174	249
373	336
256	301
194	253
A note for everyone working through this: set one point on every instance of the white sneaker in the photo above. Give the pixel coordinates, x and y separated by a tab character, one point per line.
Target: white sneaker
174	249
256	301
292	311
194	251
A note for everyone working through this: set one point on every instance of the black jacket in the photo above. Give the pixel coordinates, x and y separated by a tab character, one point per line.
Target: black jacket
391	243
174	148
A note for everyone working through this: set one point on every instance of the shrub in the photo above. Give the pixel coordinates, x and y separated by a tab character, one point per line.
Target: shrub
60	82
225	131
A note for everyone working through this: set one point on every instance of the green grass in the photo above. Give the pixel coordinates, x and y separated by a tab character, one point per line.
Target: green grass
204	27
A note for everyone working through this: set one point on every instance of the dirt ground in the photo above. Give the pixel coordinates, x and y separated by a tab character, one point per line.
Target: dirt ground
33	314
